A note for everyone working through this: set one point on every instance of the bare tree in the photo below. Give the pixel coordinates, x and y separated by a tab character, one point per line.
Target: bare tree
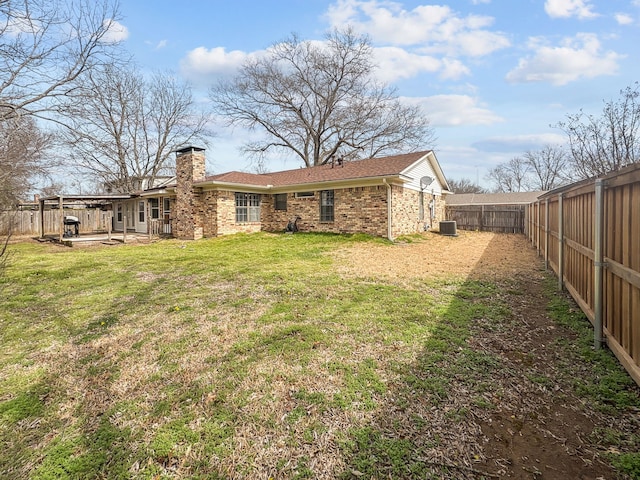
606	143
126	127
464	185
319	99
22	158
46	45
548	167
512	176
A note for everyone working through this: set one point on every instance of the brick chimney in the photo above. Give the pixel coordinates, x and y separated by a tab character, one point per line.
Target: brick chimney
190	168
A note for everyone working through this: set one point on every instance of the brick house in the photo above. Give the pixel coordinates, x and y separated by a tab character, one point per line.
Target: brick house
385	197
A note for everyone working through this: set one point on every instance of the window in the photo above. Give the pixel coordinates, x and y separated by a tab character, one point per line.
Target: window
247	207
304	194
141	212
155	207
280	201
119	212
326	206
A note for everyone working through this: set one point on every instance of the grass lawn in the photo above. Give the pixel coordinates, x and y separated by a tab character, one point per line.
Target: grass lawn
245	356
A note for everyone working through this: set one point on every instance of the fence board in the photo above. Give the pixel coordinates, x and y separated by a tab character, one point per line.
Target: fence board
620	247
488	218
27	222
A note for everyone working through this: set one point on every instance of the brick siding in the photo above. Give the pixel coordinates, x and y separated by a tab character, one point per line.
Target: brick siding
189	208
356	210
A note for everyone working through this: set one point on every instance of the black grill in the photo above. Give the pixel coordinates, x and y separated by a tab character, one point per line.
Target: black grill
71	221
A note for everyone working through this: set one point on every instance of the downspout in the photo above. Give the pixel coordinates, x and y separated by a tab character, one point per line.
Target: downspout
389	210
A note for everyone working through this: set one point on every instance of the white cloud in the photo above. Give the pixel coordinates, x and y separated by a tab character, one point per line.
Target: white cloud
478	2
18	24
453	69
575	58
519	143
396	63
202	65
434	29
161	44
569	8
624	19
454	110
116	32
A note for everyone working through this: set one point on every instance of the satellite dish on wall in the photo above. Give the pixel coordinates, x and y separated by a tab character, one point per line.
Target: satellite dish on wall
425	182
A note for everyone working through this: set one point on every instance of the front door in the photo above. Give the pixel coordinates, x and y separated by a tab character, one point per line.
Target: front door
141	216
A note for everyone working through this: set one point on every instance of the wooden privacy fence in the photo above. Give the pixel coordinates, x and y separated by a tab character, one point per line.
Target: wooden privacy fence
488	218
27	222
589	234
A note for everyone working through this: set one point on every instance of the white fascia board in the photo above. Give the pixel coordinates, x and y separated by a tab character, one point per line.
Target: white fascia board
305	187
234	187
159	192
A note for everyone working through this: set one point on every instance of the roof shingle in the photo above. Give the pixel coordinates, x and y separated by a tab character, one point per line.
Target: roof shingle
357	169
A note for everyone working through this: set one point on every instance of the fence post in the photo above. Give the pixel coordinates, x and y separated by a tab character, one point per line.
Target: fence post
532	223
124	229
546	234
41	217
560	241
532	230
598	265
538	227
61	222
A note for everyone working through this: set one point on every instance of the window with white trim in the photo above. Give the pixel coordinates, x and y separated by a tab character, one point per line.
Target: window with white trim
326	206
247	207
141	211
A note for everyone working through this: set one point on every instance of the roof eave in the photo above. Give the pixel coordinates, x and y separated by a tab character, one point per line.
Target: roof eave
154	192
302	187
217	185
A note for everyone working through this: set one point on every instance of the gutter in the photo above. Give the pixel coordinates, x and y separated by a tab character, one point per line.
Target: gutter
301	187
389	210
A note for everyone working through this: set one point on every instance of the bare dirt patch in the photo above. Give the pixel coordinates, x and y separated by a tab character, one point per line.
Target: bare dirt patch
537	426
470	254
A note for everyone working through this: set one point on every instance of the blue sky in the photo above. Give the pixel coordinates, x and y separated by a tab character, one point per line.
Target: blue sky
493	76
